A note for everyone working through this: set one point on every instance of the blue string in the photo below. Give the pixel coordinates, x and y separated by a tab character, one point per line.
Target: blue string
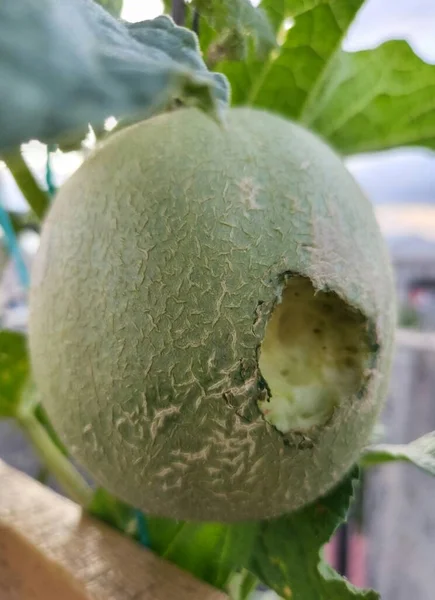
142	528
48	171
11	240
13	247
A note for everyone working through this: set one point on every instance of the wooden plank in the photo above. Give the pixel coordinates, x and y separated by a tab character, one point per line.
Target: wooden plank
50	551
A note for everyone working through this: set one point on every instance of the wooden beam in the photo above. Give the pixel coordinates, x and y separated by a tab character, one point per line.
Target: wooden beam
49	550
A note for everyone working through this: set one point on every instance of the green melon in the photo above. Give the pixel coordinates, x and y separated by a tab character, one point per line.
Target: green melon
212	316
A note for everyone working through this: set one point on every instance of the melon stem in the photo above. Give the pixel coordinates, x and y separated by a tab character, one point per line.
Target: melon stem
241	585
69	479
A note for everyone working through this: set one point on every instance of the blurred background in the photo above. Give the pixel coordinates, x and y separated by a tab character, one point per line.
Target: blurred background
389	542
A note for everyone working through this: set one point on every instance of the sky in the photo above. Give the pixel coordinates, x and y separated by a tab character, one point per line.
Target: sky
139	10
400	182
380	20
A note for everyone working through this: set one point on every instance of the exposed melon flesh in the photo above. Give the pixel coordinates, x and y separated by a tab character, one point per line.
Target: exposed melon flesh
314	355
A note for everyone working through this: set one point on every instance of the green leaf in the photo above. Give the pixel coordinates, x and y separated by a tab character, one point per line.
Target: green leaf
114	7
64	65
287	553
230	45
376	99
14	371
112	511
276	11
421	453
227	17
242	71
359	102
242	76
210	551
289	84
227	27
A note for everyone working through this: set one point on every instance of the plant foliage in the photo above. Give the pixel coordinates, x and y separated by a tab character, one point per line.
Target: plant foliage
287	552
358	101
14	371
64	65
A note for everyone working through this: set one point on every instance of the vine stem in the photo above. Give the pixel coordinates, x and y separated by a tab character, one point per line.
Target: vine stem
37	199
51	188
57	463
179	11
242	585
195	22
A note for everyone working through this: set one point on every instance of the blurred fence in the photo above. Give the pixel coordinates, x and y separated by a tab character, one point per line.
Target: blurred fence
399	499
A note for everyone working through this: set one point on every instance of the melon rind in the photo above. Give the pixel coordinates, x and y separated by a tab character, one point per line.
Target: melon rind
161	261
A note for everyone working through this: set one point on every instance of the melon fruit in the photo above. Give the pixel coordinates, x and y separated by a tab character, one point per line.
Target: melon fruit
212	316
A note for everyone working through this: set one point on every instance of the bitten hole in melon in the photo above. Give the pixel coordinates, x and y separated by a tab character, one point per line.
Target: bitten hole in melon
313	357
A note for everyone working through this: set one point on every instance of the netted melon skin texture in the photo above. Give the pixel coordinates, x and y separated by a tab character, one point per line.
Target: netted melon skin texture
160	262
